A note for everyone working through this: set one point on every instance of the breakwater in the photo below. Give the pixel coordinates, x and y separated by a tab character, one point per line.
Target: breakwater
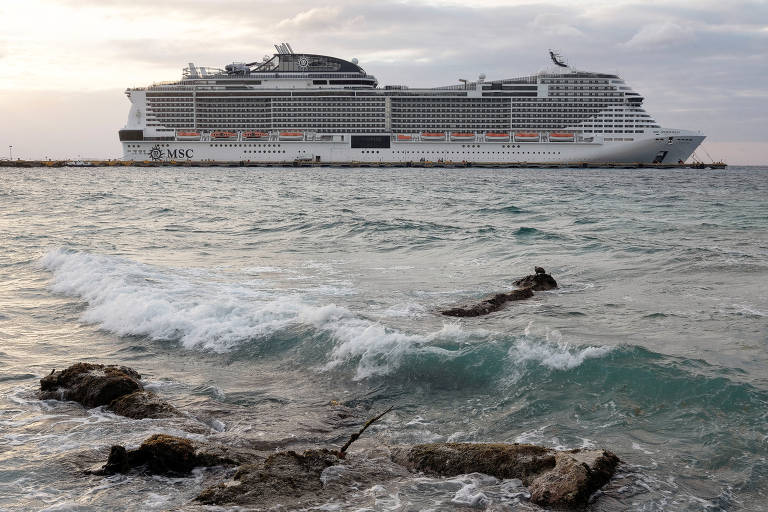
355	164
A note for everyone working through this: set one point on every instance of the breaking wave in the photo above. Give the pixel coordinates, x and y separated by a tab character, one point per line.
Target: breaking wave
207	311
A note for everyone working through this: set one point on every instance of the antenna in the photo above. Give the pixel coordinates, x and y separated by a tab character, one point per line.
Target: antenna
558	59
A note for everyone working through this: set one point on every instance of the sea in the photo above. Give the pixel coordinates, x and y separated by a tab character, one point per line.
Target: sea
260	301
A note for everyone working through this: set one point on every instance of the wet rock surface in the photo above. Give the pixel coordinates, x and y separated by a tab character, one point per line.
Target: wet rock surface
142	404
487	306
164	455
496	459
557	479
94	385
576	475
540	281
283	475
90	384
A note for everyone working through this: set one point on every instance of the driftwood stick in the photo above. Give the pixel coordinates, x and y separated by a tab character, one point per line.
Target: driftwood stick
354	437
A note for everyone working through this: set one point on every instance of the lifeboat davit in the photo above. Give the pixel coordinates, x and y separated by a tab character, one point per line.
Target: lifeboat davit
526	137
223	135
433	136
497	137
291	135
561	137
252	135
462	136
404	138
187	135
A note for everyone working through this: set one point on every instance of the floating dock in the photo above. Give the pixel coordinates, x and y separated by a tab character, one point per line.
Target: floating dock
308	163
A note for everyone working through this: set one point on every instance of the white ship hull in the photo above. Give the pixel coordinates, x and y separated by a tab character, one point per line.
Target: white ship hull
669	146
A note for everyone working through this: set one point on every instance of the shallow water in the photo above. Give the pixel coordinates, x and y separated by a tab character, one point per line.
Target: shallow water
255	297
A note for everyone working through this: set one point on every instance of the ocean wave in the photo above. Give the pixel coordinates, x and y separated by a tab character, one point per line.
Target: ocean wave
131	298
551	351
203	312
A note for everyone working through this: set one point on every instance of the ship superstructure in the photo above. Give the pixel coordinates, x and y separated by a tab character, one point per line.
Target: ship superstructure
297	106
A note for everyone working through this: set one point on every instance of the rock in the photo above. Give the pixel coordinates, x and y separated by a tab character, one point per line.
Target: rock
118	387
91	385
142	404
283	476
576	475
557	479
117	461
165	454
501	460
540	281
161	454
495	303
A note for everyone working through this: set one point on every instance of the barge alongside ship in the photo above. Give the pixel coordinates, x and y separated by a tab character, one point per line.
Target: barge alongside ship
316	108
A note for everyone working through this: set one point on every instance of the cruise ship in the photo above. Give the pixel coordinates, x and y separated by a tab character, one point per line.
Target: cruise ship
300	107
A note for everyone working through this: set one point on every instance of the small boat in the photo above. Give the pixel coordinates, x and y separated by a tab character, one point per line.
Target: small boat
433	136
561	137
180	135
253	135
291	135
223	136
497	137
462	136
526	137
404	138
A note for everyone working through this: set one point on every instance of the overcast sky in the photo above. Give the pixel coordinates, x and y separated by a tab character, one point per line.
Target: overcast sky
64	64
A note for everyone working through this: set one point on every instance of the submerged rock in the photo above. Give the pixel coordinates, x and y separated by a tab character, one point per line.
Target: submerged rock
142	404
284	475
94	385
161	454
90	384
495	303
558	479
539	281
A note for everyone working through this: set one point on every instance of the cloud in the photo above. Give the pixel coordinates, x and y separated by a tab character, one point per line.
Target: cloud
657	35
312	18
556	25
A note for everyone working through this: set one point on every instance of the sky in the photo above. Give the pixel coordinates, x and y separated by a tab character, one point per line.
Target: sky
65	64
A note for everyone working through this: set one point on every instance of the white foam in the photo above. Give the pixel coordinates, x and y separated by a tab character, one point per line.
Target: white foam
470	496
552	351
208	311
382	349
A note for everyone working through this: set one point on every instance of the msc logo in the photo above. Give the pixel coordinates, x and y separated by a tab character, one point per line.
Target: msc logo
158	153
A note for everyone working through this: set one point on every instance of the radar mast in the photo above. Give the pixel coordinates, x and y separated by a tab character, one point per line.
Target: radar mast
558	59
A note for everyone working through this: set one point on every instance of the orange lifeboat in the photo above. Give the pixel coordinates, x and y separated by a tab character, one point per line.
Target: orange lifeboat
254	135
462	136
526	137
497	137
433	136
221	135
181	135
291	135
561	137
404	138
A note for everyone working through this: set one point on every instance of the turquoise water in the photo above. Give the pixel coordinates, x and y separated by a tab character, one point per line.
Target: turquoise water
254	297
